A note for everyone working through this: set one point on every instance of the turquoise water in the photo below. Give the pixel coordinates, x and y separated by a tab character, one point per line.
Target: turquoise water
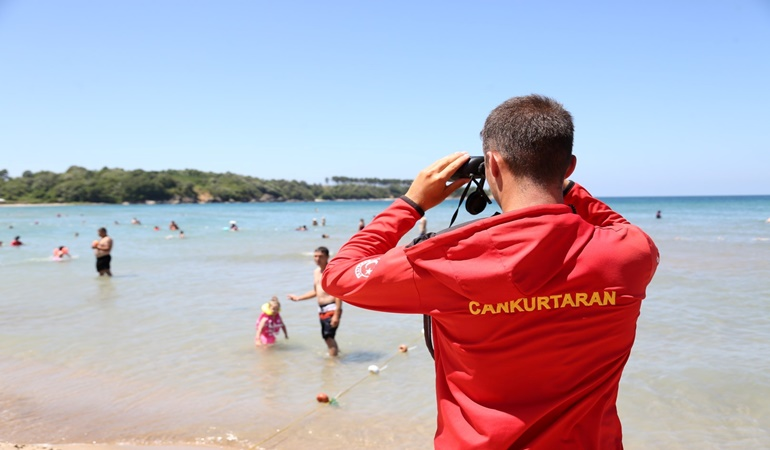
163	351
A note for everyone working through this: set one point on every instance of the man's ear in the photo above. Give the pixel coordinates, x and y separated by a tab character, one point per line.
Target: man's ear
493	160
571	168
492	170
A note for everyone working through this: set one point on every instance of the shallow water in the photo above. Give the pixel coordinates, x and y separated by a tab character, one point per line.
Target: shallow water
163	351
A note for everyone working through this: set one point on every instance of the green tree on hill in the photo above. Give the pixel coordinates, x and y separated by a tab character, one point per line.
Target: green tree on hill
80	185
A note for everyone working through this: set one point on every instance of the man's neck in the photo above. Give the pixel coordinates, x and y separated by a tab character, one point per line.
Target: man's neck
525	195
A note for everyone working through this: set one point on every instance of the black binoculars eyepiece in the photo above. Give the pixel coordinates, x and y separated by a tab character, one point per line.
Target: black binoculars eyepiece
473	168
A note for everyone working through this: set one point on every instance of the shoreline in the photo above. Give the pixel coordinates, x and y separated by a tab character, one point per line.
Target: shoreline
151	203
20	205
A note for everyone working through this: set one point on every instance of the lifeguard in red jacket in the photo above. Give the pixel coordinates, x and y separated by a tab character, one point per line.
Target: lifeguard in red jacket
533	310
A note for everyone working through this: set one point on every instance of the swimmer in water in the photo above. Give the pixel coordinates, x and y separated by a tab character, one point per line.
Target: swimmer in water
61	252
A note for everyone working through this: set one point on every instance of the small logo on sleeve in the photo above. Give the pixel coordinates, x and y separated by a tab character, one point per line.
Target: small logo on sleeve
364	269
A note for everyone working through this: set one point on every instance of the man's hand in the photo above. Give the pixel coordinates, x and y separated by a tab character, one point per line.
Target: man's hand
430	187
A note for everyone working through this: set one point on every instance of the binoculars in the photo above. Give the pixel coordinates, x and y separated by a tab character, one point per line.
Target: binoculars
473	168
478	199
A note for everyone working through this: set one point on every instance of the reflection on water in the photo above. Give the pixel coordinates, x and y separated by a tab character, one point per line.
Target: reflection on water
106	290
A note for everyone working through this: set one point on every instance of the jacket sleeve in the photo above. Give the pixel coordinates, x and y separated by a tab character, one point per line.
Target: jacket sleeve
370	271
591	209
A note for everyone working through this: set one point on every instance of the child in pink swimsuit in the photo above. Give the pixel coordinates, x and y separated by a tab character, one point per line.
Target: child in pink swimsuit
270	323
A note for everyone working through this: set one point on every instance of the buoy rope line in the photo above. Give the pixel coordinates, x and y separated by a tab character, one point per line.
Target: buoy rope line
333	400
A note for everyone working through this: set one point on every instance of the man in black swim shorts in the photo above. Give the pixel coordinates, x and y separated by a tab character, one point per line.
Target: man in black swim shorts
102	249
325	315
329	308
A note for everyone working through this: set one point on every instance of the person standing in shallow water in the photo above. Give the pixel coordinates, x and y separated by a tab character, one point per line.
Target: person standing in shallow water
329	307
423	222
102	249
270	323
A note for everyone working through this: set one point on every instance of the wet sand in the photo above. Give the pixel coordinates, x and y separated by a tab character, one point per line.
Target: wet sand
9	446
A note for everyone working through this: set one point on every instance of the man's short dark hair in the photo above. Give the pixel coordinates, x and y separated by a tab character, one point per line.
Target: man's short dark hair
103	229
534	135
323	250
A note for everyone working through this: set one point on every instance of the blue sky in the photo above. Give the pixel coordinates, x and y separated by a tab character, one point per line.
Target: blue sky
668	97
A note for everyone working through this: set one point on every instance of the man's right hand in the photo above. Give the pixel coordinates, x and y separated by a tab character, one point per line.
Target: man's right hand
430	187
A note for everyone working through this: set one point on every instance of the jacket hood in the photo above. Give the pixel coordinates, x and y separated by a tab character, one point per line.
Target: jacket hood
504	249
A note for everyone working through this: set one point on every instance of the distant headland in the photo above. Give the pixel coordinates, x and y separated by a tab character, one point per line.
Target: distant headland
116	186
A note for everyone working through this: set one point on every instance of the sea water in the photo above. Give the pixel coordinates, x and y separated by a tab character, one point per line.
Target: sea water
163	352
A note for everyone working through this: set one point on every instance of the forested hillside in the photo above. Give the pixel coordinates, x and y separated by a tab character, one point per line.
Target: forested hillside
80	185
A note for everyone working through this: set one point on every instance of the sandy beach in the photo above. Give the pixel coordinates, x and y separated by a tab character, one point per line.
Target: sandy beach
9	446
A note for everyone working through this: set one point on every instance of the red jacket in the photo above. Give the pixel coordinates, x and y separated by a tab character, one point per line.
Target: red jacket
534	315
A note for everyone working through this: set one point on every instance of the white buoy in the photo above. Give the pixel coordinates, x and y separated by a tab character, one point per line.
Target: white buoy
374	369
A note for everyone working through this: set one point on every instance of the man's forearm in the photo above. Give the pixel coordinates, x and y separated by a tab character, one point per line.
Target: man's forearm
307	295
369	261
381	235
